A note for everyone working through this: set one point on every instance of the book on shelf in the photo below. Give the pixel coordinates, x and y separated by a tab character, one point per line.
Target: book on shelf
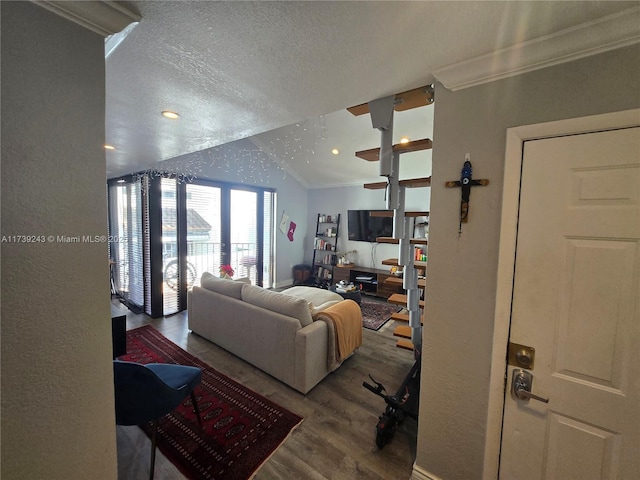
323	273
321	244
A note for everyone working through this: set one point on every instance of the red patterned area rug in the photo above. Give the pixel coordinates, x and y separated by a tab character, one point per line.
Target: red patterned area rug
241	429
376	314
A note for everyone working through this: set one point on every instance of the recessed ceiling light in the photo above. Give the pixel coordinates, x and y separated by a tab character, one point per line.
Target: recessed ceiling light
122	180
404	140
170	114
109	147
335	151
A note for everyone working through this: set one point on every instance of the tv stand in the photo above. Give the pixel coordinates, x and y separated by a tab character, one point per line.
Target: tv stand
371	281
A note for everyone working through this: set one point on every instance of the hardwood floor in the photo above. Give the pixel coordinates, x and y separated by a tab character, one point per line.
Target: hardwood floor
336	440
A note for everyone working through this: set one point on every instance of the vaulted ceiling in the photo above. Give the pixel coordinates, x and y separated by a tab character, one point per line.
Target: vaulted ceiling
281	73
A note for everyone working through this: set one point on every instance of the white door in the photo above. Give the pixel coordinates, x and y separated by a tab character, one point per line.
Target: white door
576	300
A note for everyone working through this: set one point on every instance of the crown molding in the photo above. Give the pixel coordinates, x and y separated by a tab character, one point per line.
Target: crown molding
103	18
607	33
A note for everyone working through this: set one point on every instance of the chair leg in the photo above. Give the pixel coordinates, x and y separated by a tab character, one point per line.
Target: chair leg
195	407
153	448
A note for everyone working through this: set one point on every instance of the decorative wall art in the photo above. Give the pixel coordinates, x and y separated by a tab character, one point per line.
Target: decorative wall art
465	183
284	223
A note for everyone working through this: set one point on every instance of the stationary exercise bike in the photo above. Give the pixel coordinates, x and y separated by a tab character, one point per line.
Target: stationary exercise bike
399	406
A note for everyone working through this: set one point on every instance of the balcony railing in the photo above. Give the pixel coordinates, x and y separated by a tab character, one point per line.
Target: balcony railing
201	257
205	257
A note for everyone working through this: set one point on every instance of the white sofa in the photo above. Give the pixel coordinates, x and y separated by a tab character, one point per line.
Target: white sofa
281	333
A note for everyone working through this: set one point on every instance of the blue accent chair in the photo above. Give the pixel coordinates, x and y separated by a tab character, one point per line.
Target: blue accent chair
145	393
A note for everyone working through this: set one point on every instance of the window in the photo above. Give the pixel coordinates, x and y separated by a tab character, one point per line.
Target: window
174	232
125	204
204	231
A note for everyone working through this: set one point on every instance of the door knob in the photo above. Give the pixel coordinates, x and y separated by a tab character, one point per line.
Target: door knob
521	383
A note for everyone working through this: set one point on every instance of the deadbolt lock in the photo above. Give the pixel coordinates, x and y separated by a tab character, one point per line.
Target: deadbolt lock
521	356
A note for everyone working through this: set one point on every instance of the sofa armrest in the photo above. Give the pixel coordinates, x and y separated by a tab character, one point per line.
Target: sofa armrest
311	355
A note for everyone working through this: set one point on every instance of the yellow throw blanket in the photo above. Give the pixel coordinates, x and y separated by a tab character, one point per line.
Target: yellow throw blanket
345	329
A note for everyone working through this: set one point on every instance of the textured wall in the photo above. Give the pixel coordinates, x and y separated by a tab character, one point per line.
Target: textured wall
57	386
461	292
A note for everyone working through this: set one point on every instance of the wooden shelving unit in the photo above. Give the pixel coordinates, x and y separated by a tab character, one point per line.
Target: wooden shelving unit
378	285
324	248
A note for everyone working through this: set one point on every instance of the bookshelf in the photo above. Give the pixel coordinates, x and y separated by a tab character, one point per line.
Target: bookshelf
325	246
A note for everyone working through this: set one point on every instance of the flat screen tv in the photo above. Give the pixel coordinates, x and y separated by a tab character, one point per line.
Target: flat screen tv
363	227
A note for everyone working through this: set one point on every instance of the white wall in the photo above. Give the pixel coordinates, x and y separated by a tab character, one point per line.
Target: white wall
242	163
341	199
460	297
57	383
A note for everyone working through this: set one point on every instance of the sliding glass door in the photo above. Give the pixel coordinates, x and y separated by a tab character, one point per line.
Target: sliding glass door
175	231
126	251
268	246
204	231
170	261
243	251
216	224
226	226
251	251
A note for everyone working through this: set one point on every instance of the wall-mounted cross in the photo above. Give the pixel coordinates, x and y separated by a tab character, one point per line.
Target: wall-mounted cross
465	183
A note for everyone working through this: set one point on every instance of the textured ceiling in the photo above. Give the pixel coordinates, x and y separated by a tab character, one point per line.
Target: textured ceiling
239	69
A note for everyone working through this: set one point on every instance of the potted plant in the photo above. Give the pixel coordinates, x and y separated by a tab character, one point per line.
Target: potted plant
226	271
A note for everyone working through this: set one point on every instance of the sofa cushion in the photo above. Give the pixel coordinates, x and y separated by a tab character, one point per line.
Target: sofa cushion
295	307
313	295
320	308
221	285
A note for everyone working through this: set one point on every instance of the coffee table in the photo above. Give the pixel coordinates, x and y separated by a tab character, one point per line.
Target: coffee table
353	295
